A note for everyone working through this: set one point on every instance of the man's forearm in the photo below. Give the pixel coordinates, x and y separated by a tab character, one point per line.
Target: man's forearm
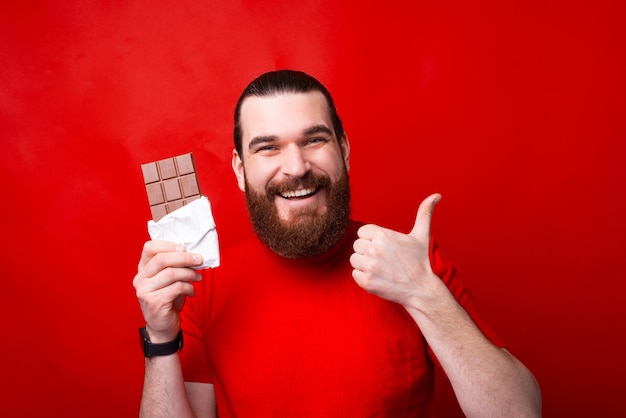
164	393
487	380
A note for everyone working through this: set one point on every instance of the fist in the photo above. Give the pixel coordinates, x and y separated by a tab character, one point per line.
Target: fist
393	265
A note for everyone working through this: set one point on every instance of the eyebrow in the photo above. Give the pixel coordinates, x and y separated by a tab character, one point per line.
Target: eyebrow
316	129
264	139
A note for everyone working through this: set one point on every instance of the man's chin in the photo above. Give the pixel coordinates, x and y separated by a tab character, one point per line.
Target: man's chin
303	227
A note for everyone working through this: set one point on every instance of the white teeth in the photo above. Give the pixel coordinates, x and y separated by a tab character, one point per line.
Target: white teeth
297	193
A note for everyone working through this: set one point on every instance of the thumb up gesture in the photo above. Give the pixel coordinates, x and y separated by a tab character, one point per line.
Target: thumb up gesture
393	265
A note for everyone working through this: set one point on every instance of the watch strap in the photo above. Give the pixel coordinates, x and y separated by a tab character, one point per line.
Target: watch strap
151	349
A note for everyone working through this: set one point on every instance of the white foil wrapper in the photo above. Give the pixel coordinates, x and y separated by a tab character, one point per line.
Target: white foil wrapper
193	227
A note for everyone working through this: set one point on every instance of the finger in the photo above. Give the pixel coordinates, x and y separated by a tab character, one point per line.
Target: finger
363	280
151	248
165	296
421	228
168	277
163	260
370	232
360	246
363	264
357	261
358	277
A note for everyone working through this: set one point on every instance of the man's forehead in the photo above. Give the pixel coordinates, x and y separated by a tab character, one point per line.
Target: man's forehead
283	110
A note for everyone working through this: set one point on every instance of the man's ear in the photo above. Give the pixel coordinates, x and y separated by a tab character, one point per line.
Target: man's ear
344	143
237	164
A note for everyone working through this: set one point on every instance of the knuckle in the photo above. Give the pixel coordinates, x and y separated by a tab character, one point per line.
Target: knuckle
136	283
363	278
373	252
369	265
178	287
159	261
378	232
170	274
366	282
141	297
181	288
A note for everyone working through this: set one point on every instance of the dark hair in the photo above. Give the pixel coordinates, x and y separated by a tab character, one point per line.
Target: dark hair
284	81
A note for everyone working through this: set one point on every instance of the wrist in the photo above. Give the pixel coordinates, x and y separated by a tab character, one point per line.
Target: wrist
153	348
159	337
431	297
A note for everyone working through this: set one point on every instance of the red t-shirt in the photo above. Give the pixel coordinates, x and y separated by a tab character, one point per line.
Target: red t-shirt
295	338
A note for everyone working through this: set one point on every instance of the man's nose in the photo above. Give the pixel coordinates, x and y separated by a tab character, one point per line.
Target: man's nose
294	163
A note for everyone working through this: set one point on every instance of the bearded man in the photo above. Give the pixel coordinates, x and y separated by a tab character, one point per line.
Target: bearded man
317	315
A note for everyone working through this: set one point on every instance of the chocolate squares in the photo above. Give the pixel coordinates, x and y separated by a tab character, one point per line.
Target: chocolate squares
170	183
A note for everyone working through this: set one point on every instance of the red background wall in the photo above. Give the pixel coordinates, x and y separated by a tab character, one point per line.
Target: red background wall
513	110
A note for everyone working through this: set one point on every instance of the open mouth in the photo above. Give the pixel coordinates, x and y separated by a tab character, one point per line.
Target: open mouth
299	194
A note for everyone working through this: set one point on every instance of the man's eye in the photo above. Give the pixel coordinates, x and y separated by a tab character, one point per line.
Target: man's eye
265	148
316	140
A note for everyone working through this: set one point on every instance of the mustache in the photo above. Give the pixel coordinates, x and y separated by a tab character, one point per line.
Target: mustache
308	181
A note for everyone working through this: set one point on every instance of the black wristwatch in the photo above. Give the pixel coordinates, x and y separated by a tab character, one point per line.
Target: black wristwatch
151	349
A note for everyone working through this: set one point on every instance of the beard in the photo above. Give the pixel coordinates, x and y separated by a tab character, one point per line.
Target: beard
307	233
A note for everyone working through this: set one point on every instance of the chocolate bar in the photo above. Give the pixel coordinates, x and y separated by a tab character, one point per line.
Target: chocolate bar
170	183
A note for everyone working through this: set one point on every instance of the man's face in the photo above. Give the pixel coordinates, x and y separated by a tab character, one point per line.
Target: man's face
294	172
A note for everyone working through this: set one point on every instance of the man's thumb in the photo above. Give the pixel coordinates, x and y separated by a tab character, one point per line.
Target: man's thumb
424	216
